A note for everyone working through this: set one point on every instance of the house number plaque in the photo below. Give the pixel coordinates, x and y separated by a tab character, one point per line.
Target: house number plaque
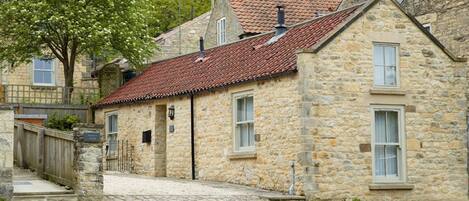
91	137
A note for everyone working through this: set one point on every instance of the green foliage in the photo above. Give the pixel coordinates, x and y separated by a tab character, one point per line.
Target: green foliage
65	123
356	199
66	29
167	14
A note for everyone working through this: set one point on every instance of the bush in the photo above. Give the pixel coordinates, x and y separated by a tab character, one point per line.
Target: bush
65	123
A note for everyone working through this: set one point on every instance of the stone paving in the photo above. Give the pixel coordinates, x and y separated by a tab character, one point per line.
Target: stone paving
133	187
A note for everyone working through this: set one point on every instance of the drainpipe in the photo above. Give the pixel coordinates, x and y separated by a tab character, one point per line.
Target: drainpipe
192	137
291	190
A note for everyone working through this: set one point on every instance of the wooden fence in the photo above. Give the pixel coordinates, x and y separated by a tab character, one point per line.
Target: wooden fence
49	152
48	94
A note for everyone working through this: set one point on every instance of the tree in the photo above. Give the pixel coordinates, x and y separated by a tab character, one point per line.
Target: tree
68	29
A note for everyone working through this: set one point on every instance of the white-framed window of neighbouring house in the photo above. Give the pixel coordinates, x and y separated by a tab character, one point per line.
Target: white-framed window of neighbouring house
386	65
43	72
111	132
428	27
221	31
243	115
388	144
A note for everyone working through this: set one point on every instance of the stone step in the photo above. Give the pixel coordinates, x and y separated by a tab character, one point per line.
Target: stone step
284	198
62	197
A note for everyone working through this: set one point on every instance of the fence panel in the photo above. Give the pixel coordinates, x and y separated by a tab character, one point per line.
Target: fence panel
50	154
48	94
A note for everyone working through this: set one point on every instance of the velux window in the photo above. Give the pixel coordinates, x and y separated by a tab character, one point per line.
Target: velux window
388	149
244	122
385	65
111	130
221	31
43	72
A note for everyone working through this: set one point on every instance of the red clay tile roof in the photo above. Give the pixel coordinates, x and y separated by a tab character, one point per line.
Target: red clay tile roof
228	64
260	16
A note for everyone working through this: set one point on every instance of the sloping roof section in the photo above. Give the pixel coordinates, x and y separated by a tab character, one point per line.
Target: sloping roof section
260	16
246	60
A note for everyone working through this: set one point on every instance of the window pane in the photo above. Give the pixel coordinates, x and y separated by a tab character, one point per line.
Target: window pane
249	108
251	134
47	77
391	160
38	77
390	56
379	75
38	64
392	127
43	64
390	75
379	161
380	126
240	109
378	54
244	136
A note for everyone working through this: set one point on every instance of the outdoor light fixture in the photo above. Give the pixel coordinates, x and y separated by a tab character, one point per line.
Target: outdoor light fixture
171	112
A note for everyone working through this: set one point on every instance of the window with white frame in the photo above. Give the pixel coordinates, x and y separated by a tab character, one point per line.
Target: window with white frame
244	122
43	72
427	27
111	131
386	73
221	31
388	144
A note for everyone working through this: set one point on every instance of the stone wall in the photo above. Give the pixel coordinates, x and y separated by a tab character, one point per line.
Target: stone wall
448	20
6	152
276	121
23	75
339	85
222	8
87	163
181	40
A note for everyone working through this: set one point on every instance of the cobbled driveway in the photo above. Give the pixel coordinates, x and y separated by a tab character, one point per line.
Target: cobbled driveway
133	187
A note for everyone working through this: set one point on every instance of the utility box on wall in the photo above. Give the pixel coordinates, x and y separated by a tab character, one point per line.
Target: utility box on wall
146	136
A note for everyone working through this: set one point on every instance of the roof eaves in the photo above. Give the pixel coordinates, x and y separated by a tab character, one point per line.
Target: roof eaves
194	91
339	29
429	35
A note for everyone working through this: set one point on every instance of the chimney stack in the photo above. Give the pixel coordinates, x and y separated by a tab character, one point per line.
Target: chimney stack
201	46
280	28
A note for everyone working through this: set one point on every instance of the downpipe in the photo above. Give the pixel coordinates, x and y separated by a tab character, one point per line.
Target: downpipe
291	190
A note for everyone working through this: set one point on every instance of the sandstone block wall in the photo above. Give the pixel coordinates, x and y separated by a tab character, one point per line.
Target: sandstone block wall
276	115
181	40
339	86
448	19
6	152
222	8
277	122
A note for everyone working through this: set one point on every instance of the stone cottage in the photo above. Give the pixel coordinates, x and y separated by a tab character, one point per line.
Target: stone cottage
232	20
363	102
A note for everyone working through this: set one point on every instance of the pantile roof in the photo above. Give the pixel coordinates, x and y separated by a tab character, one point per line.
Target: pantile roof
245	60
260	16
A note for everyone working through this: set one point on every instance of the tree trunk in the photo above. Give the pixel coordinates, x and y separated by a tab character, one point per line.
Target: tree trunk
68	75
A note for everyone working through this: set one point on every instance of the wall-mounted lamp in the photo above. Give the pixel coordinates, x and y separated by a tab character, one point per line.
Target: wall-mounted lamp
171	112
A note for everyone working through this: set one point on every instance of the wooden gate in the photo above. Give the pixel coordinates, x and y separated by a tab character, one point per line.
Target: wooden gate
49	152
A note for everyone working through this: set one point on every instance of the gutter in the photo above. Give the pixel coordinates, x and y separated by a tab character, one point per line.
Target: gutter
192	138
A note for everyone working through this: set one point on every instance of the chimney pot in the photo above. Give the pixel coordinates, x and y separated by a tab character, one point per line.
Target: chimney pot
280	28
201	46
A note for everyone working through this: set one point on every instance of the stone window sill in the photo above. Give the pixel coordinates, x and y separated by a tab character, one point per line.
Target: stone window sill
391	186
242	155
394	92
